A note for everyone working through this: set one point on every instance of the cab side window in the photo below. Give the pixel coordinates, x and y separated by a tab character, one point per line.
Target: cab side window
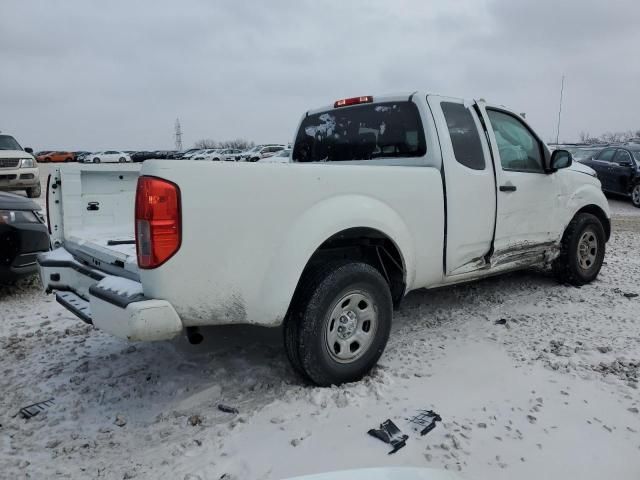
519	149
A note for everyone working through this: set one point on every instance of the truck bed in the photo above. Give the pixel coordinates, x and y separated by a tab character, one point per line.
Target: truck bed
91	209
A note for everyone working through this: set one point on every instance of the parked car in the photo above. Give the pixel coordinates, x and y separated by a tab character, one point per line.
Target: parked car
327	246
40	155
142	156
191	153
253	154
204	154
582	153
283	156
24	235
108	156
223	154
618	168
18	167
264	152
58	157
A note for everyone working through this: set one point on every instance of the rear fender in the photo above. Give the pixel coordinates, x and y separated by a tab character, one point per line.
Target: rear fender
318	224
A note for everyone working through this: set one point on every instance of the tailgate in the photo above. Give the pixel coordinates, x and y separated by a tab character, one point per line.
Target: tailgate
91	213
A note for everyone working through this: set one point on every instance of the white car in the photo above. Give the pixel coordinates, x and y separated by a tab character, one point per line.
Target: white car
108	156
426	192
264	152
222	154
18	169
283	156
203	154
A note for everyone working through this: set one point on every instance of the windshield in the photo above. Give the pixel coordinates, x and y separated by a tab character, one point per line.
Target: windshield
7	142
363	132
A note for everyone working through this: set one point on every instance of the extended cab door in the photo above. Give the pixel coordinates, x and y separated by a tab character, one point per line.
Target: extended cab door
527	196
470	193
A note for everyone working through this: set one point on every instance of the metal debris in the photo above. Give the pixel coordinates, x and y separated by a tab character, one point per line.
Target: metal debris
391	434
34	409
227	409
426	420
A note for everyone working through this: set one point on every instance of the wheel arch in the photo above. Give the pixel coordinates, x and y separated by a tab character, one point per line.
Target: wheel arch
597	212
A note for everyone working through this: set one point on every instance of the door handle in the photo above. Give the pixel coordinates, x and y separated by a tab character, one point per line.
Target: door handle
508	188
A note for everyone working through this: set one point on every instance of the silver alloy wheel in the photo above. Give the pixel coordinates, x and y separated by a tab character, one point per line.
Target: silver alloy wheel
635	195
587	249
351	327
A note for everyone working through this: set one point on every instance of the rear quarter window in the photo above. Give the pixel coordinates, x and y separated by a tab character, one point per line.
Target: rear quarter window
362	132
464	135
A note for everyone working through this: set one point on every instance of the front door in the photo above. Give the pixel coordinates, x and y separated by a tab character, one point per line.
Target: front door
622	170
528	197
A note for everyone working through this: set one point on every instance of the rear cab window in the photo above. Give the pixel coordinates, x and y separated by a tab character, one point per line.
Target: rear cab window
361	132
465	138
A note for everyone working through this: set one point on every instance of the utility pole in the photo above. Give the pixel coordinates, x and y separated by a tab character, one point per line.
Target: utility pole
560	110
178	135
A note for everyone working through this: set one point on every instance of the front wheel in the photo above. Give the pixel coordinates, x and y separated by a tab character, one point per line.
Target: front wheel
339	323
635	195
96	160
122	160
582	250
34	192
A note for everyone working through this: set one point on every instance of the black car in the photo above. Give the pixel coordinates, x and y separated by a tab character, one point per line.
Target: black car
618	168
23	235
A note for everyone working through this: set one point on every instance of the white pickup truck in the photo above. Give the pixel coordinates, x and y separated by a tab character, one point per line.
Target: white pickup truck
384	195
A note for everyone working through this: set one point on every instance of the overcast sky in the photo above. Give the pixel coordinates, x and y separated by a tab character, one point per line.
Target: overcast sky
84	74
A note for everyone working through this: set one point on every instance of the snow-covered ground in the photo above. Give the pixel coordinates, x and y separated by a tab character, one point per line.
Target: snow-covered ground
533	380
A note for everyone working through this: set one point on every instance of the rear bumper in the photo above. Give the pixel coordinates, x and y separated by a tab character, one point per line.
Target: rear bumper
113	304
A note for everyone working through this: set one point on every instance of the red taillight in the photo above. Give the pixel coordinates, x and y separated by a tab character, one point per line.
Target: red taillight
158	226
345	102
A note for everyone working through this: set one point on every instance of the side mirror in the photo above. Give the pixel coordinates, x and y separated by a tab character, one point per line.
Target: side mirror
28	150
561	159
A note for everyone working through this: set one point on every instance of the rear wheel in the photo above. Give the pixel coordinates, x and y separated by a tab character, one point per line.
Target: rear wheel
67	160
34	192
47	160
339	323
635	195
582	250
122	160
96	160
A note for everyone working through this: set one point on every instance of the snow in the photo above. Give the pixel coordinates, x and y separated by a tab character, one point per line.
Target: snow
61	255
121	286
551	392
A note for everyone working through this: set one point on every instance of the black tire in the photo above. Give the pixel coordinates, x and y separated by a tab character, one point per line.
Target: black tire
47	160
567	267
122	160
67	160
320	292
34	192
96	160
635	195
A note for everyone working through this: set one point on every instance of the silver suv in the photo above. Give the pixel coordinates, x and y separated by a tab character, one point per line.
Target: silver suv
18	167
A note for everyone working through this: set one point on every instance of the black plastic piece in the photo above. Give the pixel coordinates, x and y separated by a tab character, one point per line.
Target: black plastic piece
227	409
426	419
121	242
391	434
34	409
